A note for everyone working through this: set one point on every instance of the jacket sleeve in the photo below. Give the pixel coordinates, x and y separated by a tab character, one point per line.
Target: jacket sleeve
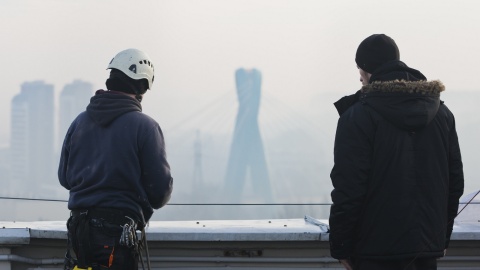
352	155
64	157
156	178
456	180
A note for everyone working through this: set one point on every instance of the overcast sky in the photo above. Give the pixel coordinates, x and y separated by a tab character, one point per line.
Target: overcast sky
303	48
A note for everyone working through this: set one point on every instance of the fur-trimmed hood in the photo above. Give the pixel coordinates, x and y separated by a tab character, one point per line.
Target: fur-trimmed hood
424	87
409	105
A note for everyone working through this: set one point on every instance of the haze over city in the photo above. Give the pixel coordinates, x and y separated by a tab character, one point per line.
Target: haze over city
304	50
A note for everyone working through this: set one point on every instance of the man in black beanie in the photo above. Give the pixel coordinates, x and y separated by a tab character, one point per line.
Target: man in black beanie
398	172
113	162
374	51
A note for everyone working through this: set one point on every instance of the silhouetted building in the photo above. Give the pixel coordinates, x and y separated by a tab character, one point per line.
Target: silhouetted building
73	100
247	157
4	169
32	138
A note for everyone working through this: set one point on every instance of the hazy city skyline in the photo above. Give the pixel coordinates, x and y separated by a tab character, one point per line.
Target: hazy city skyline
29	162
304	49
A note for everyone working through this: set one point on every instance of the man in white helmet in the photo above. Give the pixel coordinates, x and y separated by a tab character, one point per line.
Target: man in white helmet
114	164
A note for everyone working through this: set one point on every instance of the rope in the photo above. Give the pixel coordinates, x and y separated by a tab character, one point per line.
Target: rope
185	204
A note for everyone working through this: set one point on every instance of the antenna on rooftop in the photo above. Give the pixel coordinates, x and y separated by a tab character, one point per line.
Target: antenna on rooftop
197	169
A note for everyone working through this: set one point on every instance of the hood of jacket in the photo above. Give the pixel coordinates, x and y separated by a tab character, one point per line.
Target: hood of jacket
396	70
106	106
390	71
409	105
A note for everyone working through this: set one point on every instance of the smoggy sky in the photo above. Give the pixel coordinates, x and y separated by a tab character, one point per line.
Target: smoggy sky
303	48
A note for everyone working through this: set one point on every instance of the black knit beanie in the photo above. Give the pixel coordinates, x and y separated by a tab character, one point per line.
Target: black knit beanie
118	81
375	51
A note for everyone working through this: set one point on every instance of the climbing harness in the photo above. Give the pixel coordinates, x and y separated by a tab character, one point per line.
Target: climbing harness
78	239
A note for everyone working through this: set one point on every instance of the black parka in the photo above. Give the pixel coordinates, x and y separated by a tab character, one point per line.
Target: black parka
398	172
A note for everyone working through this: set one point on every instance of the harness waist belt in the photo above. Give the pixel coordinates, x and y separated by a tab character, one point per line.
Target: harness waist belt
110	215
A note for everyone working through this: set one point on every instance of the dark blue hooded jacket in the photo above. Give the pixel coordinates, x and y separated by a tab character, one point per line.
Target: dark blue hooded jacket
113	156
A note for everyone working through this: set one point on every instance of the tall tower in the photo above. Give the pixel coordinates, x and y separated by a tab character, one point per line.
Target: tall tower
73	100
247	157
32	136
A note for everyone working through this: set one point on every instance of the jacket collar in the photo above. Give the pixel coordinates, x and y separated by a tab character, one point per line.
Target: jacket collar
401	86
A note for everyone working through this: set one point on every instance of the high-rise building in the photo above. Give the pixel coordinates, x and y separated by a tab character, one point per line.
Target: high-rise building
73	100
32	137
4	169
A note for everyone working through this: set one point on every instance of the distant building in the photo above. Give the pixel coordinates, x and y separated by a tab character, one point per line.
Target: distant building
4	169
32	138
73	100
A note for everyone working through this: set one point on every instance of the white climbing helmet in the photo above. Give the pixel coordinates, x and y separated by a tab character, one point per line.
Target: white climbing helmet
135	64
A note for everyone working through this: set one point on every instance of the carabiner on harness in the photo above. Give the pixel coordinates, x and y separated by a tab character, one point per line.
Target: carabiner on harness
129	234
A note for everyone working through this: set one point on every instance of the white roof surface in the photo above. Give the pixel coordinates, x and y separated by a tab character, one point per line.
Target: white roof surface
213	230
209	230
